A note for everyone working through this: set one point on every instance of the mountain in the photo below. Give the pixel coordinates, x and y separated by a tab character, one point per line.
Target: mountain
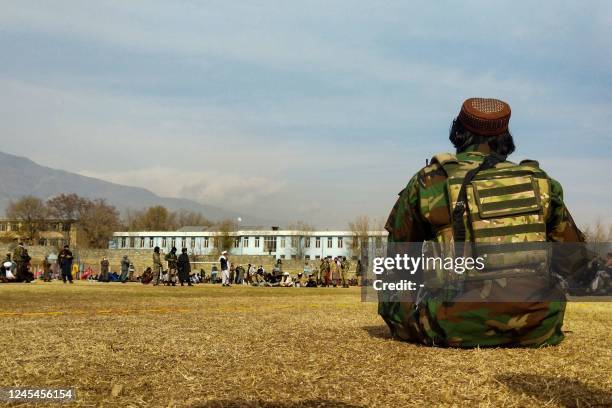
20	176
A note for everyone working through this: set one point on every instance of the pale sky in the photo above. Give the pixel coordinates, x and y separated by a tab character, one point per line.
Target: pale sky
317	111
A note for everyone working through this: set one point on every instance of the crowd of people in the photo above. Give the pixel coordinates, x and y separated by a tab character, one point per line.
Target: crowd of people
331	272
172	269
601	274
16	266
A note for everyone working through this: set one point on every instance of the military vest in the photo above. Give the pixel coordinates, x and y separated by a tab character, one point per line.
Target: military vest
504	220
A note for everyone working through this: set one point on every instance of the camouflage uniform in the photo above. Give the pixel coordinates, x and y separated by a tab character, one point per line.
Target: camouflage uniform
325	272
345	266
158	269
172	260
21	258
46	270
420	213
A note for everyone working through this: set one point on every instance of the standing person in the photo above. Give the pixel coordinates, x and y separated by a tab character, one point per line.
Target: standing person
125	269
232	272
46	270
76	273
131	272
184	267
344	267
307	270
172	260
240	275
214	271
248	279
21	259
27	273
64	261
158	269
321	275
104	269
326	272
335	271
478	198
223	261
359	272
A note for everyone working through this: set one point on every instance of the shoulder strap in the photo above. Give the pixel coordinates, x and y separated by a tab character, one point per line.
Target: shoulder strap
458	224
444	158
529	162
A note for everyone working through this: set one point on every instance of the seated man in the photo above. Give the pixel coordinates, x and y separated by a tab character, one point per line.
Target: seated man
312	282
286	280
299	280
147	276
479	198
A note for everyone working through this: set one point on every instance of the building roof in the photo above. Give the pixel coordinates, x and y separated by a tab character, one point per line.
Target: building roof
243	232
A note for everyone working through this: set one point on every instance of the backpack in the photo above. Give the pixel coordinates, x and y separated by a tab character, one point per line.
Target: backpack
498	214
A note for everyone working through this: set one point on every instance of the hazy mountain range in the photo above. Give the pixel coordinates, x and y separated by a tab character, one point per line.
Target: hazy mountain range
20	176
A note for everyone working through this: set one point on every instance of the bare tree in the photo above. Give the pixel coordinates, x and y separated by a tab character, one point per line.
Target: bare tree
305	230
66	206
598	237
223	239
159	218
156	218
185	218
99	220
31	213
360	230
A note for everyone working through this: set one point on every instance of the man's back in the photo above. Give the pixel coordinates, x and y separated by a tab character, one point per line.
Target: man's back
523	205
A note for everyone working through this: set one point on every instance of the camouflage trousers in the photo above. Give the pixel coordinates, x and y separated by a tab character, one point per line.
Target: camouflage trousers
172	272
343	279
475	324
157	274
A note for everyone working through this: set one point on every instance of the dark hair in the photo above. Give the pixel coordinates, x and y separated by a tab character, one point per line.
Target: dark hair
462	138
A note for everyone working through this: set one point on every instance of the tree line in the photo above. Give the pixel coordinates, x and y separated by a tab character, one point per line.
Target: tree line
96	218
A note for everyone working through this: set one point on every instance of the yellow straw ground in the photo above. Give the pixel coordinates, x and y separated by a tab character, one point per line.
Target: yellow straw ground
208	346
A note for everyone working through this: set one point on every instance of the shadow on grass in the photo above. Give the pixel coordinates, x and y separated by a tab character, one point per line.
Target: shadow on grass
379	332
318	403
565	392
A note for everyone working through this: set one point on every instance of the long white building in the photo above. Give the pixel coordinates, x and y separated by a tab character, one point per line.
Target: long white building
283	244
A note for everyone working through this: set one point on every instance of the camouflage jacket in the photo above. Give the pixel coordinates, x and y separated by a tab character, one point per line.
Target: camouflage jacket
19	255
156	260
172	260
423	208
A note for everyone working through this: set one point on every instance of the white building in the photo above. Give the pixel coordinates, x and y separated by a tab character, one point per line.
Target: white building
283	244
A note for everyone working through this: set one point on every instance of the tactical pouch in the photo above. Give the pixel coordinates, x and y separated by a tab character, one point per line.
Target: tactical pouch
508	227
505	208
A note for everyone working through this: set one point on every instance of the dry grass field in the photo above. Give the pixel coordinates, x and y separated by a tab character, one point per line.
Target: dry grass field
207	346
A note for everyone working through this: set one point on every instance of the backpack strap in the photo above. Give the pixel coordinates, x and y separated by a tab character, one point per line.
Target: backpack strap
529	162
444	158
458	225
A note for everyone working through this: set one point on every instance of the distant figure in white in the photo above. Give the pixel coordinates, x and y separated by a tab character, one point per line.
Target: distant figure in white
225	276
